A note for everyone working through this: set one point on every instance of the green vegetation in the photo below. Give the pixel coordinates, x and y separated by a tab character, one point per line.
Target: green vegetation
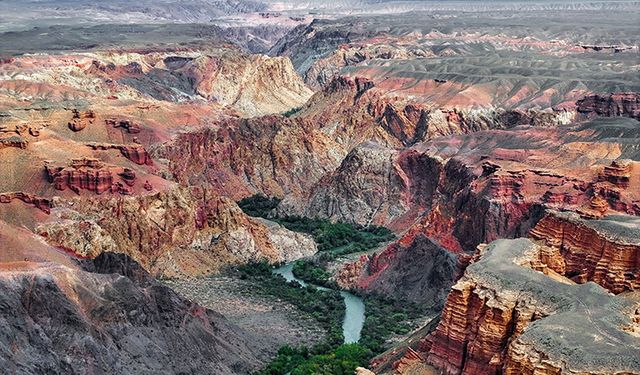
299	361
258	205
338	238
291	112
325	307
386	317
311	272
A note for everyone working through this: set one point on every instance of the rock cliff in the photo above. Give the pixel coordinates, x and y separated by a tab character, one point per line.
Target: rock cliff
175	232
394	273
616	104
504	317
605	251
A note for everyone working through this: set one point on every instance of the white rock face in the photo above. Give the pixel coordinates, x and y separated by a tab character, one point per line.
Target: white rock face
290	245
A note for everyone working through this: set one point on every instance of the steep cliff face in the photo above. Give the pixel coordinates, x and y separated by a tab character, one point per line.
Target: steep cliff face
366	188
173	233
502	316
270	155
617	104
394	273
605	251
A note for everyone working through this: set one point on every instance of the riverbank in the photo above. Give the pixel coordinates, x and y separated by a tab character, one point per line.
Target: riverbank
276	322
354	316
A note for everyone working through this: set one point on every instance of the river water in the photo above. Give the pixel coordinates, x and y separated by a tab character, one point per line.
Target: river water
354	315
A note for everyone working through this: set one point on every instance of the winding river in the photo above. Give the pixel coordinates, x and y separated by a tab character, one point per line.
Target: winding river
354	315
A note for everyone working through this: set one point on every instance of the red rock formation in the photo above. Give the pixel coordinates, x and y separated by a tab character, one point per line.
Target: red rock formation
618	173
136	153
128	125
591	250
485	327
83	174
81	120
14	141
44	204
129	176
616	104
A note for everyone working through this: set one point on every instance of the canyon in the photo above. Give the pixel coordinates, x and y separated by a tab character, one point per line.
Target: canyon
498	142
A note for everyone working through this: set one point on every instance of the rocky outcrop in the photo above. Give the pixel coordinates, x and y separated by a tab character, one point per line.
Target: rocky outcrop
128	125
23	128
421	272
43	204
82	174
271	155
173	232
366	188
618	173
134	152
14	141
605	251
292	245
504	317
615	104
113	318
81	120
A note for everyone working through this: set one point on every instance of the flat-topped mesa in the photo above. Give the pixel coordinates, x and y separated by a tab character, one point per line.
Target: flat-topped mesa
618	173
605	251
82	174
80	120
505	317
606	47
13	141
610	105
128	125
43	204
134	152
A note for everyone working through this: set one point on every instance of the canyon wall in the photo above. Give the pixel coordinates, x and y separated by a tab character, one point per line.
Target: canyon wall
502	316
605	251
616	104
175	233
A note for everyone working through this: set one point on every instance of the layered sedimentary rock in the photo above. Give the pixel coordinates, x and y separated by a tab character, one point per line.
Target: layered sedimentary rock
82	174
174	232
348	117
502	316
605	251
128	125
135	153
616	104
14	141
222	75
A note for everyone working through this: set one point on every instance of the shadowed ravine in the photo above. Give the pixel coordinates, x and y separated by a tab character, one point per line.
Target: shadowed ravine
354	314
